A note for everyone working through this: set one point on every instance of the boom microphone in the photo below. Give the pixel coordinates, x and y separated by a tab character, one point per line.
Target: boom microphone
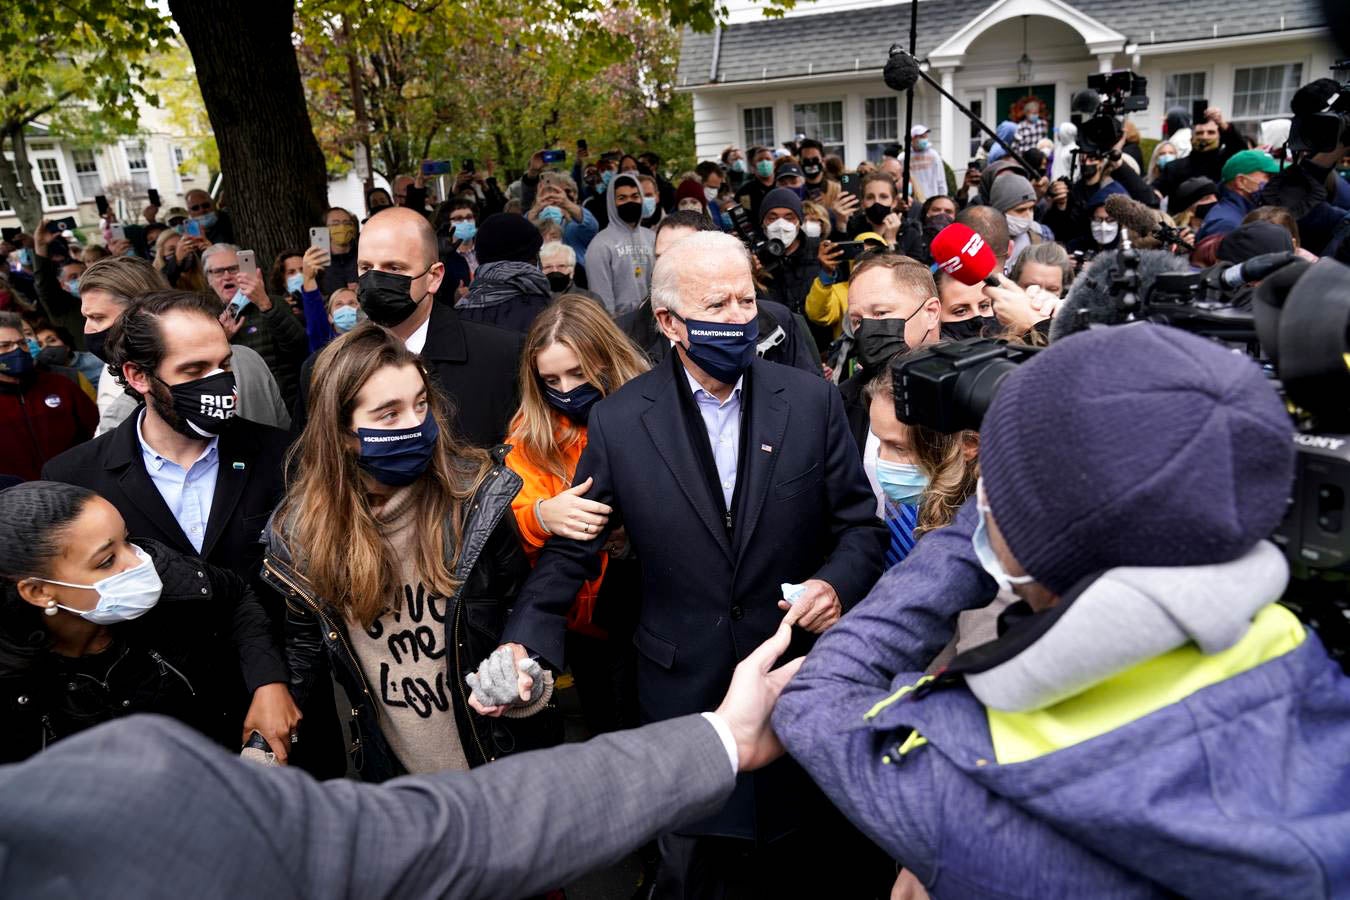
959	251
902	70
1090	300
1141	219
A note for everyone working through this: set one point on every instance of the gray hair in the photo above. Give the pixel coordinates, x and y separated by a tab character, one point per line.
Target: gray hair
562	180
12	320
565	254
1048	253
706	248
213	250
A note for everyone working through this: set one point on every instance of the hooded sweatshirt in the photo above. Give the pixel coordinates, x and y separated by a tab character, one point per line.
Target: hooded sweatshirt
1159	732
619	260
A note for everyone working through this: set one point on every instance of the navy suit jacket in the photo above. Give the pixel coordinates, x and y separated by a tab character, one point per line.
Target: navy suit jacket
709	599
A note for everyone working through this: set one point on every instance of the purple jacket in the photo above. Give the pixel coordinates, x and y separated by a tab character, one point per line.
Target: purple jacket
1240	789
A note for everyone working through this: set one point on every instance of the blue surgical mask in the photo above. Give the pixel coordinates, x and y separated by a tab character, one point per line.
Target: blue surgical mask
398	456
738	166
764	168
465	231
34	348
605	178
902	483
294	283
648	207
345	318
922	145
551	214
575	404
73	287
984	551
721	349
1033	117
127	595
1164	159
207	220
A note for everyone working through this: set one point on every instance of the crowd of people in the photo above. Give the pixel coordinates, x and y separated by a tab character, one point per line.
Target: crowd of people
617	426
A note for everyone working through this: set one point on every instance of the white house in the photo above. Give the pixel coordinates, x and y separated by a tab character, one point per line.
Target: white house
817	70
69	177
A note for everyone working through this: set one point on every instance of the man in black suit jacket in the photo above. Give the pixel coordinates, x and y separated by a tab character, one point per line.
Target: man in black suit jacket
717	531
192	475
475	364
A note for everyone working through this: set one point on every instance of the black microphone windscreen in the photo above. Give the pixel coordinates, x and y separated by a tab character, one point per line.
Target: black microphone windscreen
1131	214
1090	301
902	70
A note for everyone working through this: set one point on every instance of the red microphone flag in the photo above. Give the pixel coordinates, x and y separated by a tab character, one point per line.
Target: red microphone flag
960	252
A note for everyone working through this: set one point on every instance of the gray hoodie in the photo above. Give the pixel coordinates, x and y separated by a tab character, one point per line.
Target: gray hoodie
619	260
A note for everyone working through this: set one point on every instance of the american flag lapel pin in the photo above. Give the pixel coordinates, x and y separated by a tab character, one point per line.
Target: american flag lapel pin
239	465
766	448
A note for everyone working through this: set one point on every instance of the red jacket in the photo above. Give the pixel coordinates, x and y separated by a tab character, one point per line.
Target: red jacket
50	417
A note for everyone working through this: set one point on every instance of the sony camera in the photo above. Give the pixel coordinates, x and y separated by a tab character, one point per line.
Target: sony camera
768	250
1099	111
1321	110
948	387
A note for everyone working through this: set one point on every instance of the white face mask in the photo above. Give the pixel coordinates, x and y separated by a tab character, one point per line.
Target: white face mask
710	194
1104	231
127	595
811	229
782	230
1018	226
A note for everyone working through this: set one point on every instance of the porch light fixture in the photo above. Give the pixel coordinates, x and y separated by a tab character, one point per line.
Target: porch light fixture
1024	64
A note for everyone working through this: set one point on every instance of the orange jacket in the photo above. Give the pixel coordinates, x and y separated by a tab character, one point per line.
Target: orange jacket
542	485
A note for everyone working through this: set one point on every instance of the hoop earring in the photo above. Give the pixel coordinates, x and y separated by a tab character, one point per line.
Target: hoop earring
51	609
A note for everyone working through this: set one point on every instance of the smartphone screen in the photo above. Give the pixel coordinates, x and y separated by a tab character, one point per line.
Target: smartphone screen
436	167
101	202
192	228
319	237
117	233
466	165
154	196
239	302
248	263
553	156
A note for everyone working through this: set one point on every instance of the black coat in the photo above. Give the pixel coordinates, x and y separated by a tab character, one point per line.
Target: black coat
492	568
195	656
794	347
788	281
709	598
249	485
474	364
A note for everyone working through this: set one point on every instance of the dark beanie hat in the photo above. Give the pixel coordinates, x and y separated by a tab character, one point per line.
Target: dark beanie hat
781	198
505	236
691	189
1253	239
1139	445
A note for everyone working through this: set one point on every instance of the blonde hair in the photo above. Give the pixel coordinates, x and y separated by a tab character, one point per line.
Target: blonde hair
608	360
911	276
325	518
942	457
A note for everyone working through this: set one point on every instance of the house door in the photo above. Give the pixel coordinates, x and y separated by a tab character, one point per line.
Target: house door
1009	97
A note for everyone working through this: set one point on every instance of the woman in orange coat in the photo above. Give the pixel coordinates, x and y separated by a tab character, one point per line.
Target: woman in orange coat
574	356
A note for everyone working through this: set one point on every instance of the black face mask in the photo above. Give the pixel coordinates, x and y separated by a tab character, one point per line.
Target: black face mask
558	281
55	356
964	329
811	167
94	343
877	341
387	296
201	408
1201	210
877	213
1089	172
629	212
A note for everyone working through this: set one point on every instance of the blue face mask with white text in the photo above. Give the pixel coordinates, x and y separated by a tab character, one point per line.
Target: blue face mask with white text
398	456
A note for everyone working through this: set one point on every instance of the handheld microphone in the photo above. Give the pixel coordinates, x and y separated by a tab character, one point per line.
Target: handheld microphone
1254	269
959	251
1137	217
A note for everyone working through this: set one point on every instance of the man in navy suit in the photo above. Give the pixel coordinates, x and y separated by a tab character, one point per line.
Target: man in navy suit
731	476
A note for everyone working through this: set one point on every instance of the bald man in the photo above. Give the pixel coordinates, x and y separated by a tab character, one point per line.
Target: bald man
731	476
398	274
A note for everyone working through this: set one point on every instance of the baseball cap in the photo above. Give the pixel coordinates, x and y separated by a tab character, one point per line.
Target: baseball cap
918	130
1247	162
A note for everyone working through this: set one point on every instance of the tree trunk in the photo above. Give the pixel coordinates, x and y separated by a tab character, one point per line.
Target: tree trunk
17	182
274	171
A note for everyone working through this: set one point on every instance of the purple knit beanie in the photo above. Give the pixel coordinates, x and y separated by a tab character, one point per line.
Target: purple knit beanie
1139	445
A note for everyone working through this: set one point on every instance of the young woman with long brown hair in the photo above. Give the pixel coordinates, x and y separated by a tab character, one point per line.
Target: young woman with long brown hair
575	356
395	551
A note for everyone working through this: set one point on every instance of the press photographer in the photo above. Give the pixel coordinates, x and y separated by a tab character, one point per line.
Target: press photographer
1319	138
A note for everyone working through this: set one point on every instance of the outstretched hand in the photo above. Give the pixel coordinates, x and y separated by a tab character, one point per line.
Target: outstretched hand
749	702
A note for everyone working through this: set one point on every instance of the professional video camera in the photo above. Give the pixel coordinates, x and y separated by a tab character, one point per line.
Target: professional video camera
1321	110
769	251
1099	111
1296	323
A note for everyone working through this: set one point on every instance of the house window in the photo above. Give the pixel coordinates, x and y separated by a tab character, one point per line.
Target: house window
86	173
1263	92
758	126
882	117
137	167
822	121
49	180
976	105
1183	89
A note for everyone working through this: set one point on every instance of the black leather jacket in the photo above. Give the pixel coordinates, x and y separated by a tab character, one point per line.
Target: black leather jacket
492	567
183	658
